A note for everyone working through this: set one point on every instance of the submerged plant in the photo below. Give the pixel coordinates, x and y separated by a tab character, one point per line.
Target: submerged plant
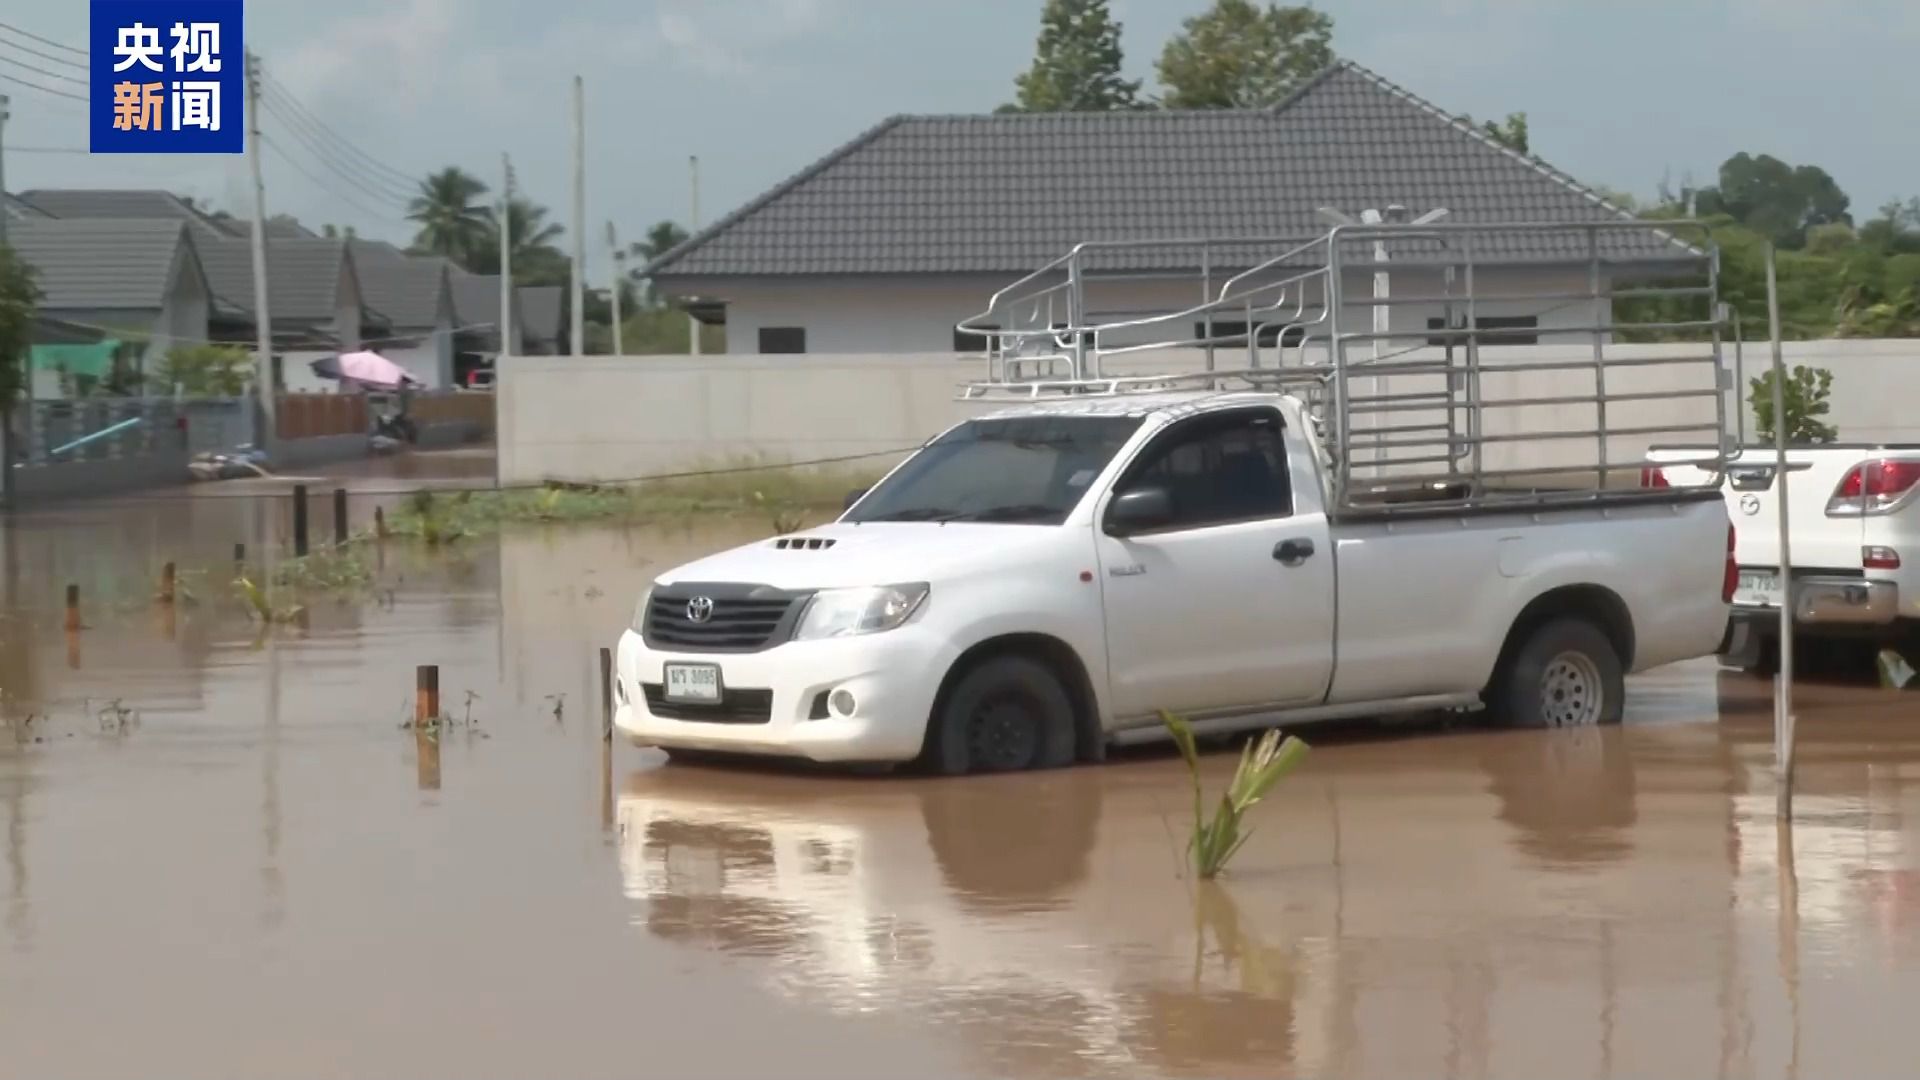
1263	763
260	605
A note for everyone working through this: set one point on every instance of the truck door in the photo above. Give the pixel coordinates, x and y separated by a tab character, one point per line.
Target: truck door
1225	600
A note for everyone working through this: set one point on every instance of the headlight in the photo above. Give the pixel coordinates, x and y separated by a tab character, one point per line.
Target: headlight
640	610
865	610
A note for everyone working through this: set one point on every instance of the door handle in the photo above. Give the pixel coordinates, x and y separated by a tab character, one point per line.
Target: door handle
1293	552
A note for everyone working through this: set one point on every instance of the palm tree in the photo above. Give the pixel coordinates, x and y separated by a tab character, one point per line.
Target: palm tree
531	237
450	222
660	239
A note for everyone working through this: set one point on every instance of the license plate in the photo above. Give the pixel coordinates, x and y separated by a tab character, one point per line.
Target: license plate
696	683
1759	588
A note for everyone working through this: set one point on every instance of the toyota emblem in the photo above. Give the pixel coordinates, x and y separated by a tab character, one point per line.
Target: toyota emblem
700	609
1749	504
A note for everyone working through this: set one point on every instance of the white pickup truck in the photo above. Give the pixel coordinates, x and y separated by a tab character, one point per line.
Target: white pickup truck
1038	582
1853	526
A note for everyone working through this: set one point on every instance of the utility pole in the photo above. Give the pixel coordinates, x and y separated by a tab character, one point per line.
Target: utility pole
1783	718
263	319
26	362
693	226
505	321
579	216
613	275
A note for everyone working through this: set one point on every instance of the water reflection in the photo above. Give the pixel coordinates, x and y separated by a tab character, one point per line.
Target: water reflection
1569	795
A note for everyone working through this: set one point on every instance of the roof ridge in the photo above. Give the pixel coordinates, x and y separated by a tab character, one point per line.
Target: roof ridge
832	157
1311	83
1532	161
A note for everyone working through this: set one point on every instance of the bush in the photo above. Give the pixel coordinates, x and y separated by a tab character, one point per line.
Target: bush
1804	396
204	371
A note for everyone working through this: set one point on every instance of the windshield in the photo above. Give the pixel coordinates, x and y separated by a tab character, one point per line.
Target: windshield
1028	470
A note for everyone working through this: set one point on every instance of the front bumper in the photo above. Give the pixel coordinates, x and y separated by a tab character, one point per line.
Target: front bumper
1836	601
893	677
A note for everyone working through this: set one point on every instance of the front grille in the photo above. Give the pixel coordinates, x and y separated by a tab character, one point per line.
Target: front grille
738	618
734	707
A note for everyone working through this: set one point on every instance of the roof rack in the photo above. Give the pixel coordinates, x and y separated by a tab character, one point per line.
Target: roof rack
1522	364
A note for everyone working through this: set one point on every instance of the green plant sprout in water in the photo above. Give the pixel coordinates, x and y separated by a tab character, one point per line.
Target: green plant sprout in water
260	605
1263	763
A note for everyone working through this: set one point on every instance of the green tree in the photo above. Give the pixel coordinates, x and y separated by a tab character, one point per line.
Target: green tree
1778	200
451	223
537	260
19	300
1804	397
203	371
1238	55
1076	63
1510	133
662	238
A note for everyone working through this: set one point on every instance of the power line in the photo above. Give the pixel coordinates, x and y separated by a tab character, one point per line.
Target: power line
273	86
18	81
371	183
378	215
48	150
82	53
31	51
384	198
62	77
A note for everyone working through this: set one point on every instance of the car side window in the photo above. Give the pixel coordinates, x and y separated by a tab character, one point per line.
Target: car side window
1218	469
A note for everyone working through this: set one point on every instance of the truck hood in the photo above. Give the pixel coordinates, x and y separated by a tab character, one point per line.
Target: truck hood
875	553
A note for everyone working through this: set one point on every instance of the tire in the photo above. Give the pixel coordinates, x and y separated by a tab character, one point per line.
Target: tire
1748	648
1004	714
1566	674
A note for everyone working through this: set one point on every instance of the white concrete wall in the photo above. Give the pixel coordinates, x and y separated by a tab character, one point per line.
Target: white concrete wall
917	314
601	418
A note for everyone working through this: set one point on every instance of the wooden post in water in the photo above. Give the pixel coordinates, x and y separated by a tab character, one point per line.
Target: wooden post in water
73	609
426	695
380	523
606	694
166	583
239	558
339	517
299	520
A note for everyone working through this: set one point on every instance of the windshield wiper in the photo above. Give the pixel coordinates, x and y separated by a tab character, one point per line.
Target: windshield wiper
1015	512
920	513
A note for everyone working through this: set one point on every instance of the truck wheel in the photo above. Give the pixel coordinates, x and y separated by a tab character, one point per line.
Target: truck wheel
1005	714
1566	674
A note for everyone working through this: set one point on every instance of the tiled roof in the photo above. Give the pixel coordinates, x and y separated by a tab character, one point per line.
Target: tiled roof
119	203
476	304
1008	192
303	276
116	263
407	289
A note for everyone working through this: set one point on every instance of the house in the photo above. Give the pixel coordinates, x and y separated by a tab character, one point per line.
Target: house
890	240
120	203
413	294
542	307
314	300
476	304
139	281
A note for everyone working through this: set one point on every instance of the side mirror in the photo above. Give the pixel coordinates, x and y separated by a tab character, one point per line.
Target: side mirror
1139	510
853	496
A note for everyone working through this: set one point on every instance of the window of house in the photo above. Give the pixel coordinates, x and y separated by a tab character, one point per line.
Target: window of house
1218	469
1507	323
783	339
1227	333
971	341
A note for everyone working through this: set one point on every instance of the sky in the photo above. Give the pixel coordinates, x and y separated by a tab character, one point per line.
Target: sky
1620	94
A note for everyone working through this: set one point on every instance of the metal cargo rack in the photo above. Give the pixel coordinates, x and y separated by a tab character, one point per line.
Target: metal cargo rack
1519	393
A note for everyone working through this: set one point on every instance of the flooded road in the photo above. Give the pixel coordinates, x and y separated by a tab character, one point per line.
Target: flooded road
223	856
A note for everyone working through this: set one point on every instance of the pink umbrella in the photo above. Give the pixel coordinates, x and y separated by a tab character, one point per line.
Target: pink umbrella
367	368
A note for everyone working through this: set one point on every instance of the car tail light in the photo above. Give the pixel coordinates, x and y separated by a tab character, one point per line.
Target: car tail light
1875	557
1874	487
1651	477
1730	577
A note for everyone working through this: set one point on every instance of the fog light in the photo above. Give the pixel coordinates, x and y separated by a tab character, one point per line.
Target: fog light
842	703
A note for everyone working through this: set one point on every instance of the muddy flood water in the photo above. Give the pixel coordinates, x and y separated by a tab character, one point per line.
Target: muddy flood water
223	856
